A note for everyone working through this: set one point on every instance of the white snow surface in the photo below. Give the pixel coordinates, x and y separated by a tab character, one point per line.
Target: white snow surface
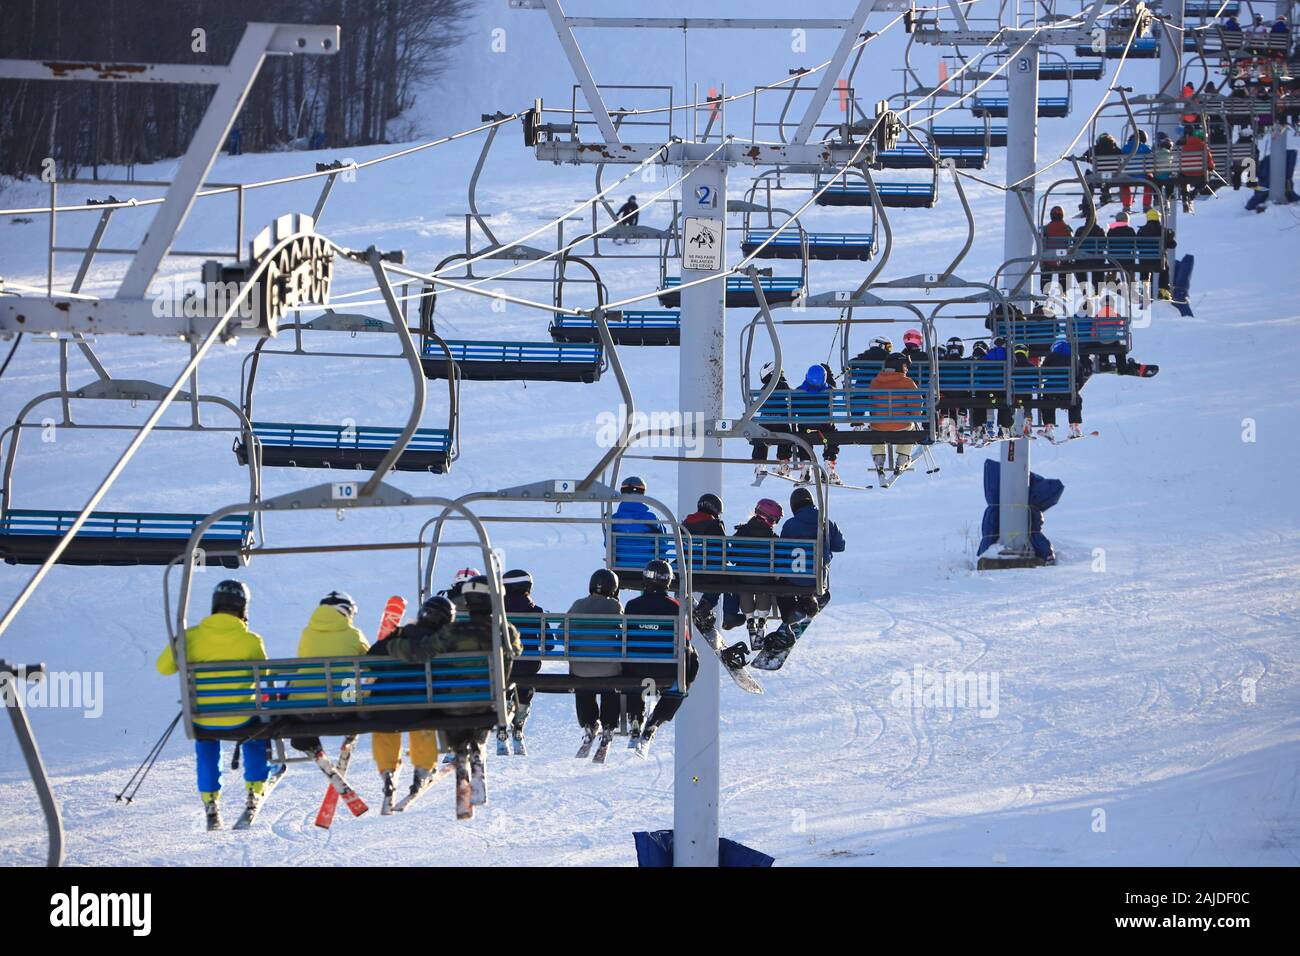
1147	684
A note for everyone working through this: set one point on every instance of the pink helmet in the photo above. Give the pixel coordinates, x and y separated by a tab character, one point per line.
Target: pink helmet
768	510
912	337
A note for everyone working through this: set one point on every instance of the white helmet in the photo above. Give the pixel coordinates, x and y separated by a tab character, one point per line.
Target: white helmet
768	369
465	574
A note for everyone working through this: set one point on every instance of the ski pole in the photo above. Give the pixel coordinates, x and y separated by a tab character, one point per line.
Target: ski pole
147	764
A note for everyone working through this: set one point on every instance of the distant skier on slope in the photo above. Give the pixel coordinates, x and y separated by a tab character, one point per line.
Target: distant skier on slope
224	636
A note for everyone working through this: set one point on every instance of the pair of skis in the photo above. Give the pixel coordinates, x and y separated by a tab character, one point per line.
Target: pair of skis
339	788
507	737
600	741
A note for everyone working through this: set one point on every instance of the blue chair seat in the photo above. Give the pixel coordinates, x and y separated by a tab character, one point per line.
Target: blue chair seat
774	565
629	327
821	245
900	195
310	445
740	291
119	538
515	361
968	135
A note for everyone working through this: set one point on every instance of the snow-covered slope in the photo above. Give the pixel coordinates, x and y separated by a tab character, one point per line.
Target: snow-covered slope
1152	674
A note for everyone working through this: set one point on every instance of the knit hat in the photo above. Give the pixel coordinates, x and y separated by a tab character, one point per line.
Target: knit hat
1121	217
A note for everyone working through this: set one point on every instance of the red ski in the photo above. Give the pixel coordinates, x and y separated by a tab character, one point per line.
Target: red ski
394	610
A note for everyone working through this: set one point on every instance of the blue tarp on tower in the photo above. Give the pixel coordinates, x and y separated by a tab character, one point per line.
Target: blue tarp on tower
1043	494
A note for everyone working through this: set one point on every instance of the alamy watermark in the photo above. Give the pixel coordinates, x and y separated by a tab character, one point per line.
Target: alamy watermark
657	429
72	690
946	690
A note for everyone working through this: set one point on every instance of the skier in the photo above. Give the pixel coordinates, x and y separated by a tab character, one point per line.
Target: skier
1059	357
330	632
803	523
813	416
470	634
1121	251
758	607
952	403
1197	164
706	520
434	615
519	600
879	350
1057	228
655	601
886	410
458	581
597	711
784	450
1105	146
634	517
1137	146
224	636
1154	228
913	346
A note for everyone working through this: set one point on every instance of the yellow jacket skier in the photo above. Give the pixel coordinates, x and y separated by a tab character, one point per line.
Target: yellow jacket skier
223	636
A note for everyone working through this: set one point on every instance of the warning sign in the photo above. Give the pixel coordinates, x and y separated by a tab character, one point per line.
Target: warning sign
702	244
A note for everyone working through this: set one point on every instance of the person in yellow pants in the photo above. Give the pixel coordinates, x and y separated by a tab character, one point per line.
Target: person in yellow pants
435	613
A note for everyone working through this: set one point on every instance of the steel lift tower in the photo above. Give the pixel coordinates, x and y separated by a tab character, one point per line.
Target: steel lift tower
705	166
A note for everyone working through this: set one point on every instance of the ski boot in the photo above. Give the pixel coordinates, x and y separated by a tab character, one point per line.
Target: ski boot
805	474
517	737
1076	430
879	462
212	811
832	475
901	463
783	470
417	784
704	618
782	639
388	777
757	627
464	790
1049	432
633	734
503	742
760	472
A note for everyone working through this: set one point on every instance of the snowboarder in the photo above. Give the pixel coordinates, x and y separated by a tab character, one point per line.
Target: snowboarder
224	636
1138	147
706	520
1154	228
803	523
597	711
655	601
434	615
758	607
473	633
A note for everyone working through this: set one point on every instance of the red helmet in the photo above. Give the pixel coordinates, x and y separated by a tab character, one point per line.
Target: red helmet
768	510
912	337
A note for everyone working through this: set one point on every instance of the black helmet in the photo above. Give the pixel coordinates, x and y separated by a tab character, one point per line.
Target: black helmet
898	362
232	597
710	504
632	485
603	582
519	580
436	611
477	594
341	600
658	574
979	349
800	498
